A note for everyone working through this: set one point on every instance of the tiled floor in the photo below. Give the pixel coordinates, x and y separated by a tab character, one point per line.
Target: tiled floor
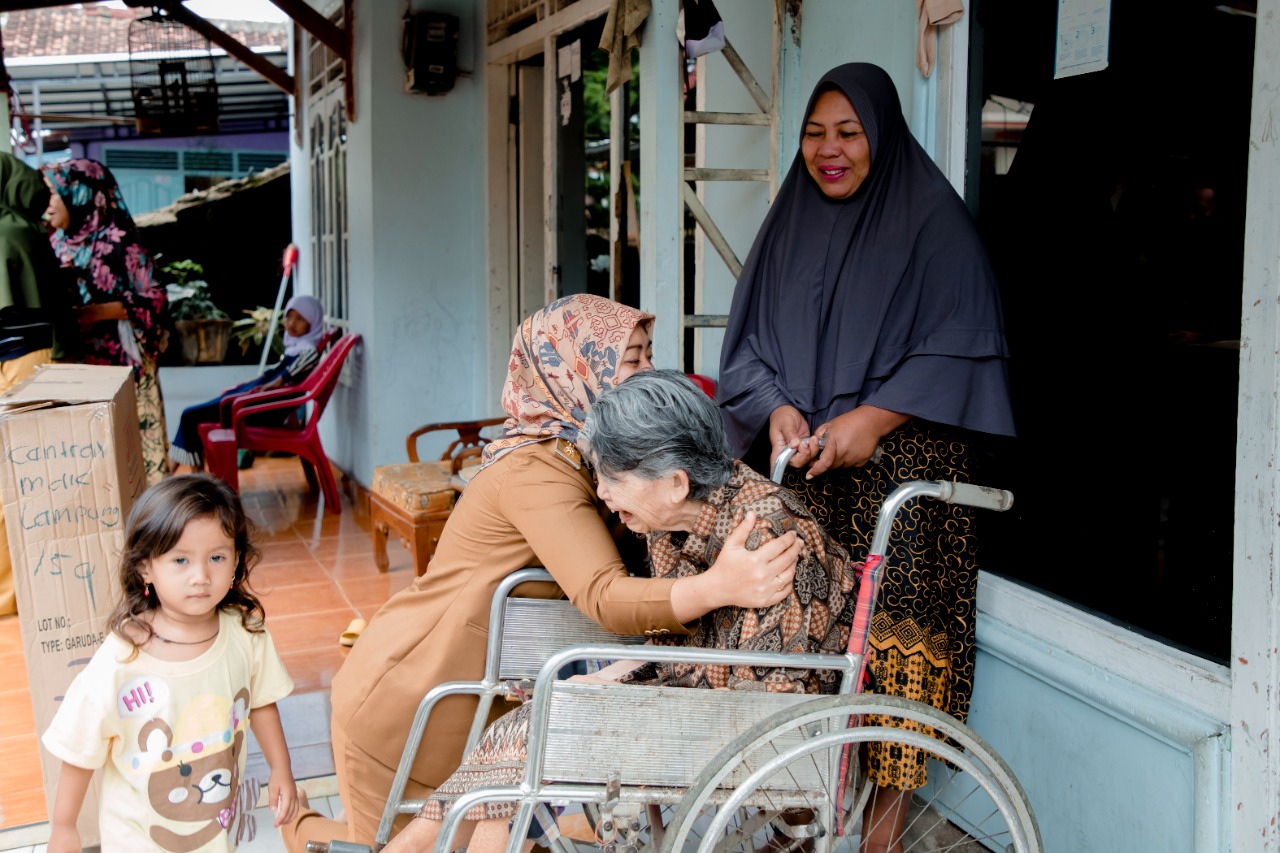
315	576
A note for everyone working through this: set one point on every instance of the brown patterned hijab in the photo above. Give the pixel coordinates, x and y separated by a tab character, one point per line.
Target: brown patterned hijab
562	359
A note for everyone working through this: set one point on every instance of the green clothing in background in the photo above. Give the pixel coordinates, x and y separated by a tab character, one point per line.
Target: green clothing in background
28	271
29	275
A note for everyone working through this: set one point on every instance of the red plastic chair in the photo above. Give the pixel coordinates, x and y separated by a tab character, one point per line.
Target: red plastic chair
330	335
301	440
706	383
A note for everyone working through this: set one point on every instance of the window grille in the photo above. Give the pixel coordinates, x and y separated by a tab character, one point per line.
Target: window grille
257	161
327	156
221	162
141	158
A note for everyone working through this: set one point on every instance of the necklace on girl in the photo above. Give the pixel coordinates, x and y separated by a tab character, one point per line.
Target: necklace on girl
183	642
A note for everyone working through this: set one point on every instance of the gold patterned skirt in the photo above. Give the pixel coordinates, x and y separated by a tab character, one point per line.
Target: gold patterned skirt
921	645
155	438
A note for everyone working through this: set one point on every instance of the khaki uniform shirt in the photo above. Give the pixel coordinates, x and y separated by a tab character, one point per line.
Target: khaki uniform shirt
534	507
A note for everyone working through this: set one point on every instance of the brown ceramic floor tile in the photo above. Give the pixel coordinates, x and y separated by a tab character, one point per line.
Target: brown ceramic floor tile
262	536
290	551
347	545
306	597
313	669
327	526
361	565
270	575
23	806
19	760
17	717
368	594
309	630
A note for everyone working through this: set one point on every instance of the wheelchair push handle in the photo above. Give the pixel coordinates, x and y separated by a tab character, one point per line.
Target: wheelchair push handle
784	456
983	497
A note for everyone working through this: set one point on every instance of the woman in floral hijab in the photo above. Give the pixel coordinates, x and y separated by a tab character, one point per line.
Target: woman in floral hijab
114	282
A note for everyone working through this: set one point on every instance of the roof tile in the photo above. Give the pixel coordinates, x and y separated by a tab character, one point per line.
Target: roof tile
91	29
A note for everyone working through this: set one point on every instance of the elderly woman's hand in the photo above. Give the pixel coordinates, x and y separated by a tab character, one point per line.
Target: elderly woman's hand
740	577
851	438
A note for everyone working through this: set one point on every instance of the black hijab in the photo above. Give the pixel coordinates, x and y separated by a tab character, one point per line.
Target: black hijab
885	298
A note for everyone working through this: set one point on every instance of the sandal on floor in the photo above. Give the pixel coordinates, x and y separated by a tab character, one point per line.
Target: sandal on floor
352	633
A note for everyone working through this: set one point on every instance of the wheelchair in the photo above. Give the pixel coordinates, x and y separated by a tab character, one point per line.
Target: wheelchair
664	769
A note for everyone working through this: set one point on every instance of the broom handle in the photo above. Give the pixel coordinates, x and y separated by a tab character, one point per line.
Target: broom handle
290	259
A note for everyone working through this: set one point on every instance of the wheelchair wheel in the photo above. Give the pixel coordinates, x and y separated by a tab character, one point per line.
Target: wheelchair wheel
971	804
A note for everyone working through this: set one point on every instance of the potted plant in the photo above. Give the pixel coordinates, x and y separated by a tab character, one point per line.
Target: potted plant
251	331
202	327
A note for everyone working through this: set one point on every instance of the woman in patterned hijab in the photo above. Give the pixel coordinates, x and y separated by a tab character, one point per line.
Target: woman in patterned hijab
562	358
113	281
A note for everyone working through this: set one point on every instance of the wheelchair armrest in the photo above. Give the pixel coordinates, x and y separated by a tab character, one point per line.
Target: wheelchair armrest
683	654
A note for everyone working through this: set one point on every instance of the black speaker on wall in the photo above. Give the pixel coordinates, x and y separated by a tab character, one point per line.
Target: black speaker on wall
430	52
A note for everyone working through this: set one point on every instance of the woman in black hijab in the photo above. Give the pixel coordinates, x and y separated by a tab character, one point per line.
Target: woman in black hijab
867	316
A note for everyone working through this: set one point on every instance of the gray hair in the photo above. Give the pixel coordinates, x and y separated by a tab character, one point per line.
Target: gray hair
656	423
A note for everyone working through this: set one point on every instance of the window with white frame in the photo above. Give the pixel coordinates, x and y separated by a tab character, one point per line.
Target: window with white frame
327	158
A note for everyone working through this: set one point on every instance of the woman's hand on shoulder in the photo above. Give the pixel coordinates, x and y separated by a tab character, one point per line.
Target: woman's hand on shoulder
755	579
852	438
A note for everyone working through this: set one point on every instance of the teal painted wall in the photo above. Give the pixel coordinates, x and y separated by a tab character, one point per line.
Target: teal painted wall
415	181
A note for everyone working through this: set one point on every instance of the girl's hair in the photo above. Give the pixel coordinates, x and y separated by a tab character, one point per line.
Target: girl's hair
154	527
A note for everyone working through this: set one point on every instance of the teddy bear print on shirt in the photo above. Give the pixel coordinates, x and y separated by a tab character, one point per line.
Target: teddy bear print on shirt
195	782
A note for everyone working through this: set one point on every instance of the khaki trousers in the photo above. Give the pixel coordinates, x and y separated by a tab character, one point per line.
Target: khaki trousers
11	373
363	783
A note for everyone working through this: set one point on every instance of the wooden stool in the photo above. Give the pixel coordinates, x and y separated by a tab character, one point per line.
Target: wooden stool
414	499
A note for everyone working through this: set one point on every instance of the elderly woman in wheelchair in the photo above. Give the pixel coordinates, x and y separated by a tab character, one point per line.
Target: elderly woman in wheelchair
662	463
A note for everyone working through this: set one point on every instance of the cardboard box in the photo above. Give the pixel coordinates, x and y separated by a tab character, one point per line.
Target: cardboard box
70	469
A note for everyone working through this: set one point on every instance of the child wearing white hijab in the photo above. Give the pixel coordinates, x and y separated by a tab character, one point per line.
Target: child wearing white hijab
303	332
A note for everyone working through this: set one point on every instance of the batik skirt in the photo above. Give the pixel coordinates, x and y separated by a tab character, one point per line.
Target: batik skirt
921	644
155	438
499	759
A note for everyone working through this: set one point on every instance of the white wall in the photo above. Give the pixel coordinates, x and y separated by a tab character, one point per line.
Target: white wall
737	207
833	33
416	205
1255	611
1099	721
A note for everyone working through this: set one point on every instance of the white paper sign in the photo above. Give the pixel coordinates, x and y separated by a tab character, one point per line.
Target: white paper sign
569	61
1084	32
